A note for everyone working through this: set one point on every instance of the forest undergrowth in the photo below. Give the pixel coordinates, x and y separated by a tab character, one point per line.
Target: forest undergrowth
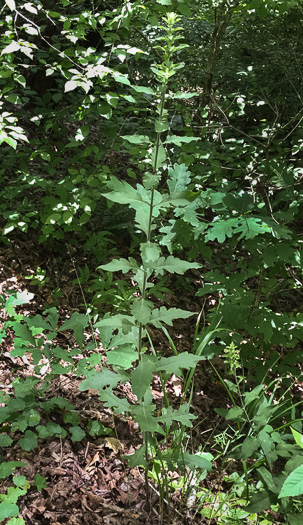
151	262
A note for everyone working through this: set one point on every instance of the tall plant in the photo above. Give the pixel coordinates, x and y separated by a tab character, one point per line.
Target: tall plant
124	335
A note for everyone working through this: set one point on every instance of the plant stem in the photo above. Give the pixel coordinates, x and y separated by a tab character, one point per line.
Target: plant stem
151	206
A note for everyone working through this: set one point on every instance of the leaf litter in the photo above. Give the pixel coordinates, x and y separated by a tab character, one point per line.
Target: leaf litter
88	482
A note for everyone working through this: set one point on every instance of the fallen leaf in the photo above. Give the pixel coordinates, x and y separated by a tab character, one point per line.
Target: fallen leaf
114	444
91	466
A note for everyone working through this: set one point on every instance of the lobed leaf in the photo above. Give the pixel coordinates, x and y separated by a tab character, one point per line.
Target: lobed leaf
173	265
181	415
99	380
121	406
163	315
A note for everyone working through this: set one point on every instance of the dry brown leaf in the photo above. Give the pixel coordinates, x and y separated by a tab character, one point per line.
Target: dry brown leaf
91	466
94	500
114	444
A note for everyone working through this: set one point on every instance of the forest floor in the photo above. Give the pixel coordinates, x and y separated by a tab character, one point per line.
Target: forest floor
88	482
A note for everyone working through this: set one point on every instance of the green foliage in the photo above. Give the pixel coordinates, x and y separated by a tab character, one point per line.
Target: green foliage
29	441
264	439
292	486
98	144
6	469
8	501
19	412
40	481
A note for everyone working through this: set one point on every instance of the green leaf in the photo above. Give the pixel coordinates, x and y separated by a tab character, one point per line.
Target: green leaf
267	479
77	434
143	89
137	459
181	95
60	353
50	429
143	414
182	415
167	316
236	413
293	518
4	397
8	510
151	180
293	485
178	141
120	265
122	79
123	192
96	428
38	322
136	139
260	501
142	215
6	469
40	482
150	253
77	323
161	126
178	178
193	461
221	229
22	331
254	394
130	98
184	10
54	428
122	356
43	431
142	375
29	442
16	404
298	437
141	310
121	406
173	265
5	440
19	424
57	402
13	143
249	446
125	322
72	417
19	481
99	380
13	99
250	227
264	437
173	364
16	521
153	20
13	493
